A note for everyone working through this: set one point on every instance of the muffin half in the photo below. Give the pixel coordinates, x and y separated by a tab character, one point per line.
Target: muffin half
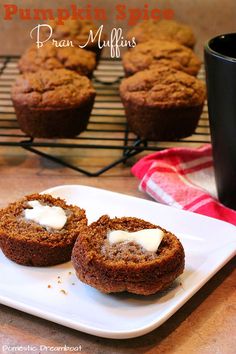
126	265
40	230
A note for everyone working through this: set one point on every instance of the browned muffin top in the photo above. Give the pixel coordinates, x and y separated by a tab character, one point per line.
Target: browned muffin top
163	30
50	57
13	223
155	52
55	89
76	30
164	88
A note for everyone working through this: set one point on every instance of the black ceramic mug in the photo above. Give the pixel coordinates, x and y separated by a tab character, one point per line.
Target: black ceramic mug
220	63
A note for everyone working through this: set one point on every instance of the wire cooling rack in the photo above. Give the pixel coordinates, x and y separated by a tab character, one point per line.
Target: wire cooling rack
107	128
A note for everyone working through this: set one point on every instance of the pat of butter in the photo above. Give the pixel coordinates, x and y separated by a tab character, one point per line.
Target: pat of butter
149	239
45	215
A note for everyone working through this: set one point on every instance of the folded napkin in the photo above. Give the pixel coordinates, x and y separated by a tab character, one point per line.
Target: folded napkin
183	178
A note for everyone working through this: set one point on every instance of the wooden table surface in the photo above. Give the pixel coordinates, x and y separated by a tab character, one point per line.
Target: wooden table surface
205	324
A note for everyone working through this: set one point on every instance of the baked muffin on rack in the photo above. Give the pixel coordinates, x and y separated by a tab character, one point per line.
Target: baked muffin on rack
40	230
162	104
127	254
154	53
162	30
53	104
50	57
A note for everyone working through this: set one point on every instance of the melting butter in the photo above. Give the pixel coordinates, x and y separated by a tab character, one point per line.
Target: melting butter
45	215
149	239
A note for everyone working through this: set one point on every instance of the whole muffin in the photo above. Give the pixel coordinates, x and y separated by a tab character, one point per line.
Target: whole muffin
26	241
126	266
78	31
154	53
50	57
162	103
52	104
163	30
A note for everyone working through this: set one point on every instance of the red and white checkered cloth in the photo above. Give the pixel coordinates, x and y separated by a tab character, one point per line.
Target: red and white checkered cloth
183	178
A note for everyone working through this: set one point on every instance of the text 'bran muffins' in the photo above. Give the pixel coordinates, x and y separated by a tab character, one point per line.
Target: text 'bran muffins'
78	31
53	104
163	30
29	243
126	266
50	57
162	103
154	53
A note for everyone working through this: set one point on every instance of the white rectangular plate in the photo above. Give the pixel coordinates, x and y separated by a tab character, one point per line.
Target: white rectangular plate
208	245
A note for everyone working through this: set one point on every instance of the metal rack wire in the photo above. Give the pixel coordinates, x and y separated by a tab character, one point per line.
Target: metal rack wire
107	127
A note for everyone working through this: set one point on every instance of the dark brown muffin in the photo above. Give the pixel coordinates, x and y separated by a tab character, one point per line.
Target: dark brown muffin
53	104
163	30
78	31
126	266
154	53
162	103
29	243
50	57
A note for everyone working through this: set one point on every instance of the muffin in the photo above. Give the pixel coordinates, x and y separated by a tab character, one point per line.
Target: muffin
162	103
53	104
78	31
163	30
50	57
154	53
40	230
126	266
